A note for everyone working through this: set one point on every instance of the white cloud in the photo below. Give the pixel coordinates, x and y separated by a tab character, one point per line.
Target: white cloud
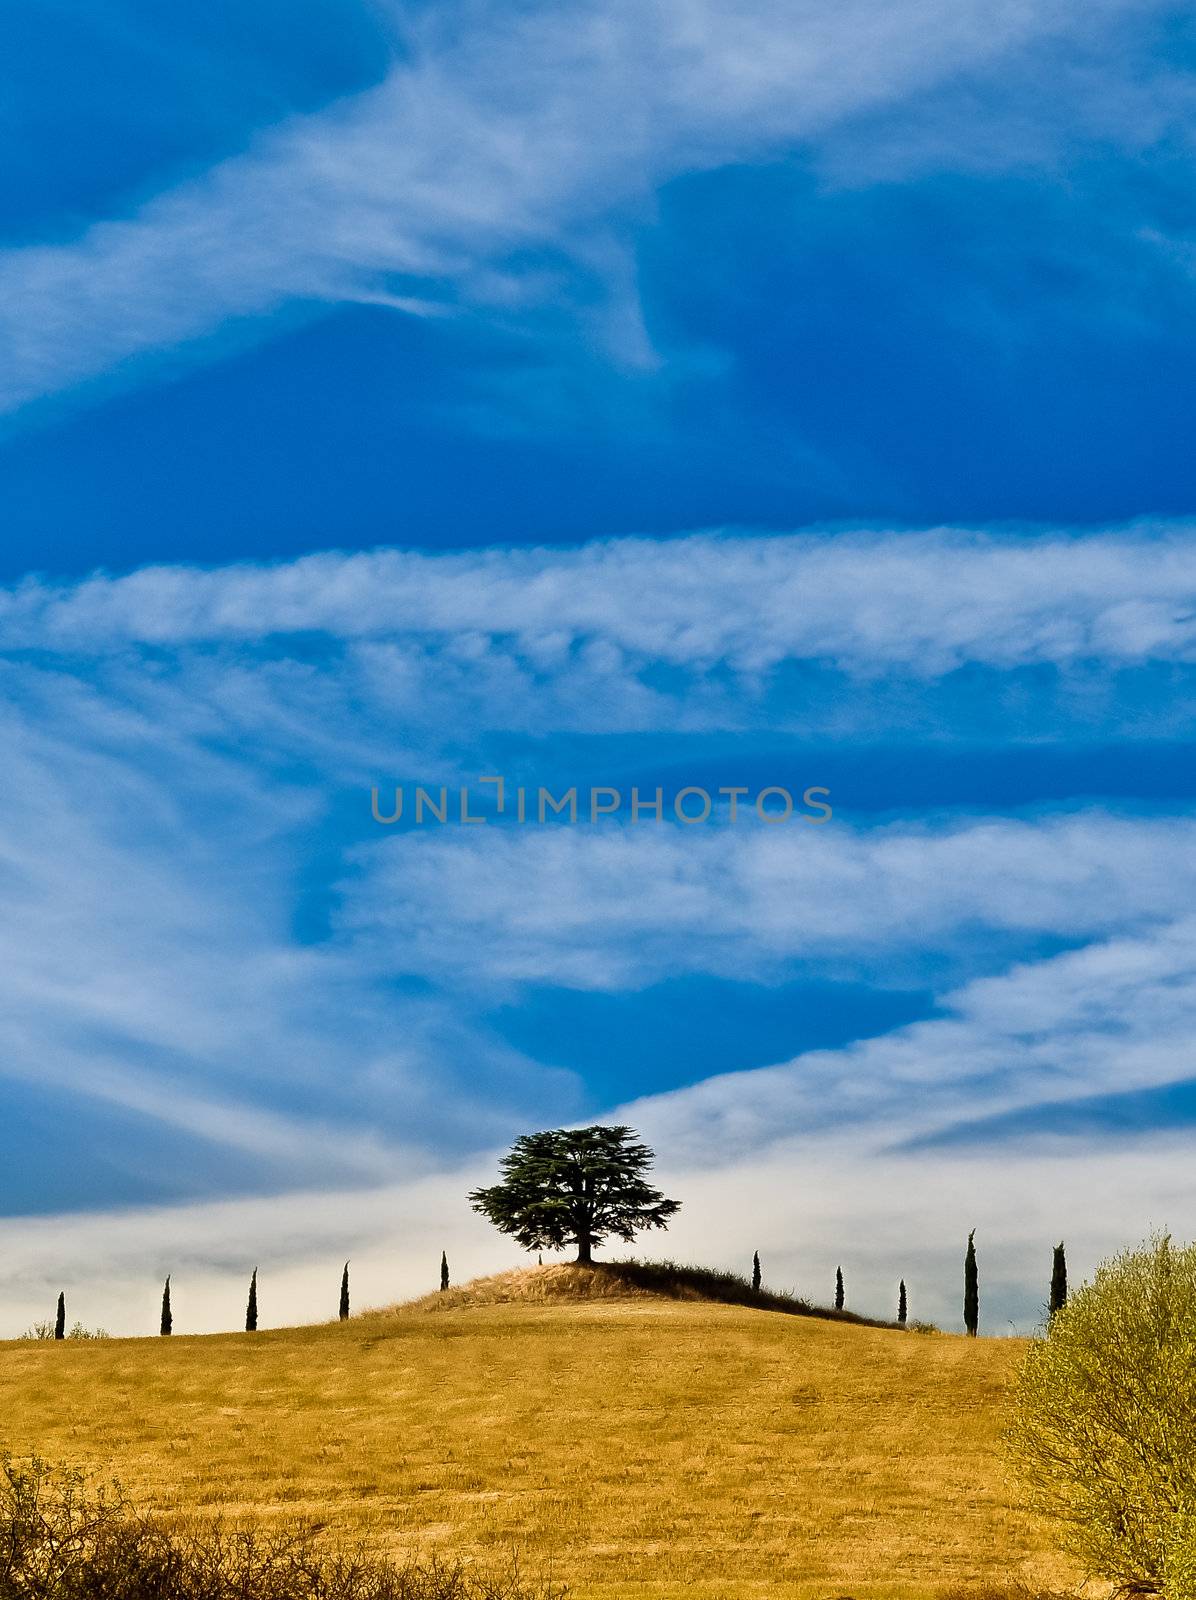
504	132
150	877
921	604
162	808
1116	1016
752	900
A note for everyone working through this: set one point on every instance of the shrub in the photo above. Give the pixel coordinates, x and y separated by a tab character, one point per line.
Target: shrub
61	1540
45	1330
1104	1421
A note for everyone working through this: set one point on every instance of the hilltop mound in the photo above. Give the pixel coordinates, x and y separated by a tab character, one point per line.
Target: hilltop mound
623	1280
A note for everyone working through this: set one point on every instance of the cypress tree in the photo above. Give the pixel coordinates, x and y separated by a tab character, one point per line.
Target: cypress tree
60	1317
838	1288
901	1304
444	1277
971	1288
251	1308
167	1324
345	1293
755	1272
1058	1280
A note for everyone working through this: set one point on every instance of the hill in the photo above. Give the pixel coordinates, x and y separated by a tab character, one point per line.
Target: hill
632	1443
625	1280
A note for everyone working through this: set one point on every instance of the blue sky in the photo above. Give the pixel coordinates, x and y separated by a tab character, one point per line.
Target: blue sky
595	394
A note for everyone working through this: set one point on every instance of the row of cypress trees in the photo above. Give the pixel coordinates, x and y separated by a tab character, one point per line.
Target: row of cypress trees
971	1287
166	1323
971	1293
1056	1299
840	1291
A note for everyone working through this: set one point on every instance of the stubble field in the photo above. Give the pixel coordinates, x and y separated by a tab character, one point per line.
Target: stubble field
629	1446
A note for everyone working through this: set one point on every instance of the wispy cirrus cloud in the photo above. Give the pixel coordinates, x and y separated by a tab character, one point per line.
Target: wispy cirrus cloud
921	604
504	159
526	905
1118	1014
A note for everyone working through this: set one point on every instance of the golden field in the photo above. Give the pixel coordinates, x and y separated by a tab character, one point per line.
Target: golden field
624	1444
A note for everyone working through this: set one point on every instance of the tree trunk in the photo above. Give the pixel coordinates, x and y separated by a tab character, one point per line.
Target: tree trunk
584	1257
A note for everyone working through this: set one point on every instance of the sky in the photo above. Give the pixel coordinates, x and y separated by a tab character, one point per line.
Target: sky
604	397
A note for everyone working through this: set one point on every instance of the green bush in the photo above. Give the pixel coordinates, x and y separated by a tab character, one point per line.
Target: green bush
45	1330
1103	1431
61	1540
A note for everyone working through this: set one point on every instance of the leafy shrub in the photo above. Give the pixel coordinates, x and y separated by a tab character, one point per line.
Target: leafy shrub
1104	1421
45	1330
61	1540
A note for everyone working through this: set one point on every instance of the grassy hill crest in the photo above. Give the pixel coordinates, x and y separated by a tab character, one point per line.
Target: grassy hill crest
629	1279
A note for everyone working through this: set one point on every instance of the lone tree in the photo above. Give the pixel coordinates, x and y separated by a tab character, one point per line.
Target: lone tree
755	1272
167	1324
838	1288
1058	1281
971	1288
444	1278
60	1317
344	1307
575	1186
902	1308
251	1308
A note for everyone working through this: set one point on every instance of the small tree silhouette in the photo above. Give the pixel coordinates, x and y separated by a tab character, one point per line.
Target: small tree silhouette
344	1306
251	1308
60	1317
901	1305
1058	1280
971	1288
444	1277
166	1326
839	1289
755	1272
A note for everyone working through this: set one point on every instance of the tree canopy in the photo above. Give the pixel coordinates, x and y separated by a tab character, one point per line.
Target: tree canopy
575	1186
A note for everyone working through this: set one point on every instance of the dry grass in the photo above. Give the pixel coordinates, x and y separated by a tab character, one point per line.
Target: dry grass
632	1445
533	1286
624	1280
